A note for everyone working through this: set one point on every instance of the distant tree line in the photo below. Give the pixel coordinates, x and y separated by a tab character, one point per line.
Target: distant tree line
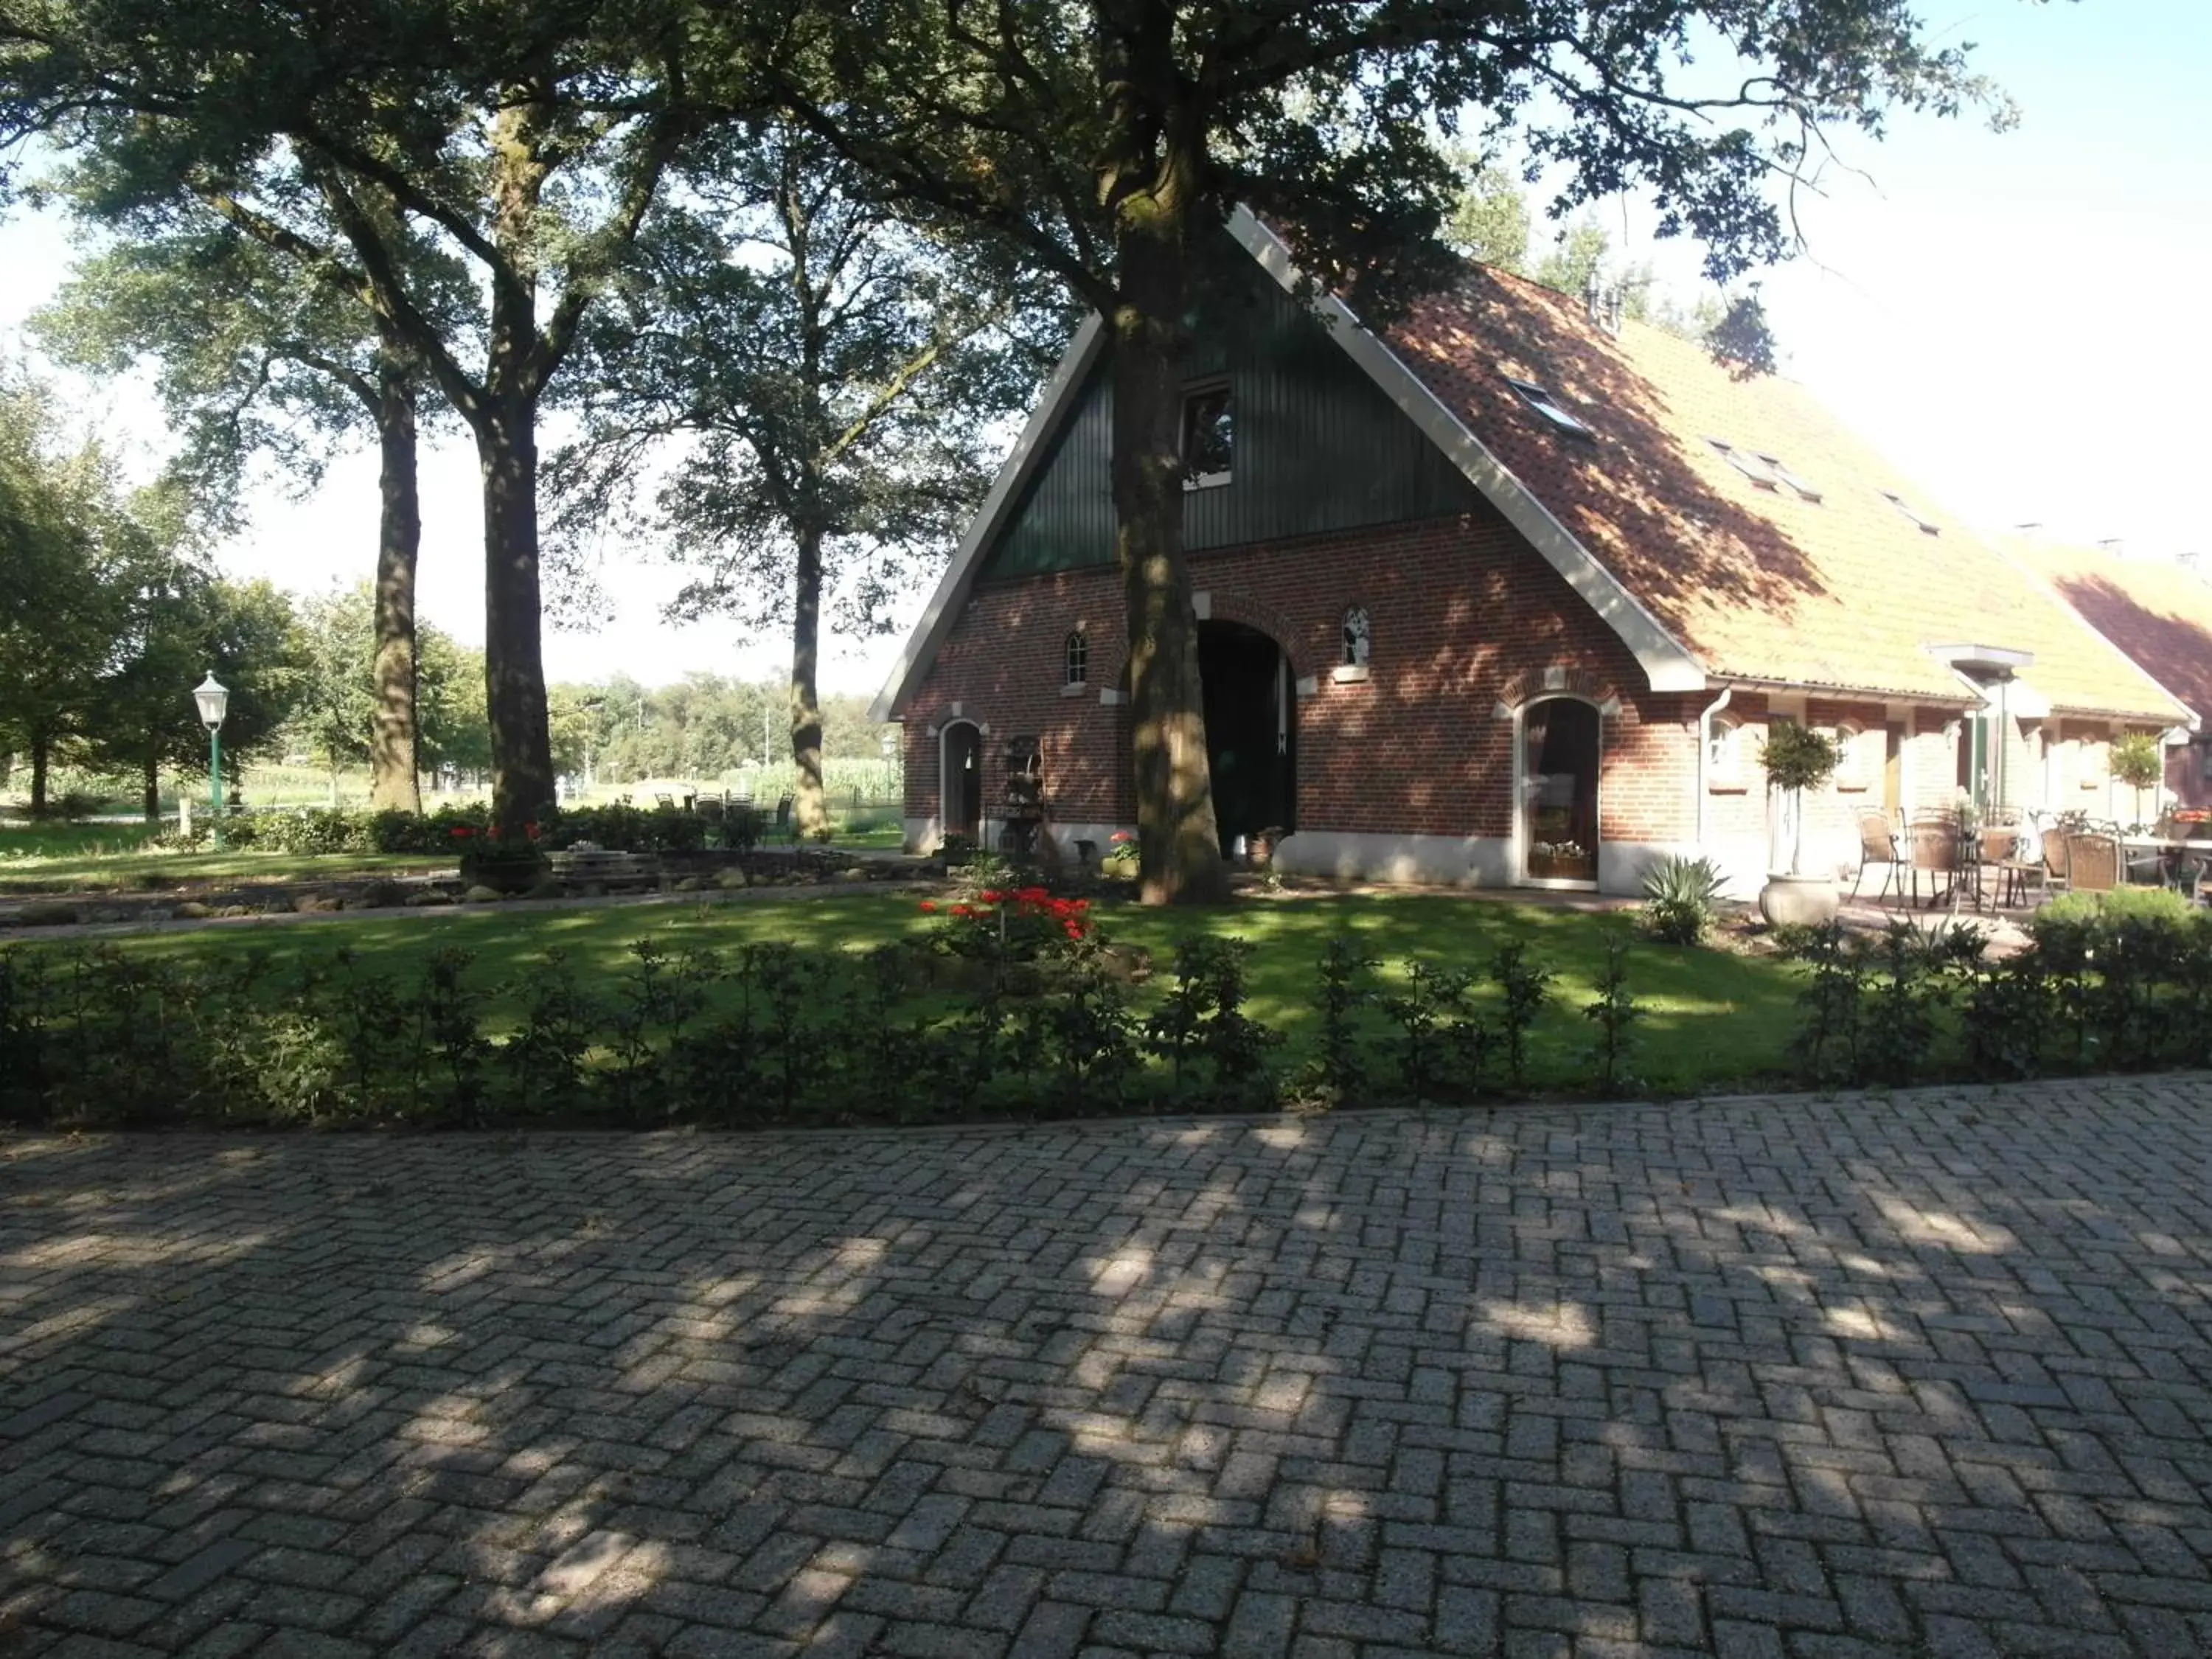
111	613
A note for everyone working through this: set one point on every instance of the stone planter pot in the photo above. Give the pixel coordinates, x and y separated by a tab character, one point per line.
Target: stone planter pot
1798	901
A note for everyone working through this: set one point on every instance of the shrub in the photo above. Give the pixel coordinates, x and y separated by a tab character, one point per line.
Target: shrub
1615	1013
1679	894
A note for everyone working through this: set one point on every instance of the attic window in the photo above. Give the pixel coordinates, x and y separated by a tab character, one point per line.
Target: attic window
1208	435
1898	502
1550	407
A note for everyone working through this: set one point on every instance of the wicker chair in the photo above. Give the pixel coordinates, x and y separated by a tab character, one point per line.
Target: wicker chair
2058	854
1878	845
1932	845
2092	860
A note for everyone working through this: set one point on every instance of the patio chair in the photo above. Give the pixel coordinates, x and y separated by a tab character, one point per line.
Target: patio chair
2057	868
2092	860
2002	853
1878	845
1933	846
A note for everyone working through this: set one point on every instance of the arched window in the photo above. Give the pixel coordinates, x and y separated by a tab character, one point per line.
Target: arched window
1852	749
1723	753
1358	635
1078	659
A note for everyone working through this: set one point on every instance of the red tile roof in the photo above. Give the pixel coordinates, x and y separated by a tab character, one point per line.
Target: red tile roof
1758	584
2158	612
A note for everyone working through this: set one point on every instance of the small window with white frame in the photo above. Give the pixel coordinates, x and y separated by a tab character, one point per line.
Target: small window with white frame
1551	408
1209	435
1076	659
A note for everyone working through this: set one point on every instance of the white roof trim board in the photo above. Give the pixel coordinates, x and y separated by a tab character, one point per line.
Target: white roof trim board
1666	663
945	605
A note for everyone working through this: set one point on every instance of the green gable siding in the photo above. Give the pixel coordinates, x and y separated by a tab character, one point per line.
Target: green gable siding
1318	447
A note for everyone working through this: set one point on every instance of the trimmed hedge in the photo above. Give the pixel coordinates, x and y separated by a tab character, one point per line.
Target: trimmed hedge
619	827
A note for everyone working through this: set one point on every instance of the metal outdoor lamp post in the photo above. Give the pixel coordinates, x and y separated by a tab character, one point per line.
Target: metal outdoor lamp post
213	699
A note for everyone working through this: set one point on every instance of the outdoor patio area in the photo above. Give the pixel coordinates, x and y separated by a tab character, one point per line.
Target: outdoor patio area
1919	1374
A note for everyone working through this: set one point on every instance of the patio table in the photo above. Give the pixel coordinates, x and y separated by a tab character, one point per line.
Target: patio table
2172	850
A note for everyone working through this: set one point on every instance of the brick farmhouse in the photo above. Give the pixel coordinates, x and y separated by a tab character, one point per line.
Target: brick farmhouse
1502	594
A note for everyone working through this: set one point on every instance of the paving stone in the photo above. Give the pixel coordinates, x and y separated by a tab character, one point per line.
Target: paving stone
1766	1376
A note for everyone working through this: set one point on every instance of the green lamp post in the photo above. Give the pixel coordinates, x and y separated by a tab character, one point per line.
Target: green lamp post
213	699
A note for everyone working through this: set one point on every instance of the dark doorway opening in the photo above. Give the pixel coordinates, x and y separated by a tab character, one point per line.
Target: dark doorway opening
964	779
1559	778
1251	730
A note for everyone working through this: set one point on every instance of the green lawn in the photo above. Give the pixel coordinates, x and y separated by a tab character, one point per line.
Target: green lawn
115	858
1715	1021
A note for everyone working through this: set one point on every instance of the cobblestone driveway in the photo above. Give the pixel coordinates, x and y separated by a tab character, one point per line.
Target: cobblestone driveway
1760	1377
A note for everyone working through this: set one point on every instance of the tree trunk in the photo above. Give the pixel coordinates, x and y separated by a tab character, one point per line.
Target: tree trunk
153	790
392	783
809	810
515	662
39	748
1179	848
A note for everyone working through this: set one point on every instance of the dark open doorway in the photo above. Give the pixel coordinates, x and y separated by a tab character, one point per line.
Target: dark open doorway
1251	730
964	779
1558	782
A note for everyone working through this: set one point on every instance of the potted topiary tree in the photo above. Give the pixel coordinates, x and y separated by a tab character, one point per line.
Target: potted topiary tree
1798	758
2139	763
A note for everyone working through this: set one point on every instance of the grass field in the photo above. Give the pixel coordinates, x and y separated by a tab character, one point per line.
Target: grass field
1713	1021
110	858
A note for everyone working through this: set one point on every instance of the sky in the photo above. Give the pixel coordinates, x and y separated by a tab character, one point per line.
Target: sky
2019	321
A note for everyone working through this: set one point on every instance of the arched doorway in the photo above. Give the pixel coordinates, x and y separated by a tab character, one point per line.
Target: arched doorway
960	776
1251	730
1560	751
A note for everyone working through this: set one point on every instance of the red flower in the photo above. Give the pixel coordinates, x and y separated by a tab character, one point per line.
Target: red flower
461	832
929	907
531	830
1031	895
990	897
963	910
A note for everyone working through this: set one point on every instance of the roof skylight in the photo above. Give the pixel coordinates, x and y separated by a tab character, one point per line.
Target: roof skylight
1754	467
1805	491
1767	471
1550	407
1899	503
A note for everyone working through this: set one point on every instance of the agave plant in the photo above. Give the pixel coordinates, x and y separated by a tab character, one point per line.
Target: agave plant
1679	895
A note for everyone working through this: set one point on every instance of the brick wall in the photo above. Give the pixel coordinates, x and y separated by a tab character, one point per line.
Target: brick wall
1464	614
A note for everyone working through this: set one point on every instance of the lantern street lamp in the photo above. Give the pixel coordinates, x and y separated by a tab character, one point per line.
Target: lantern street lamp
213	699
